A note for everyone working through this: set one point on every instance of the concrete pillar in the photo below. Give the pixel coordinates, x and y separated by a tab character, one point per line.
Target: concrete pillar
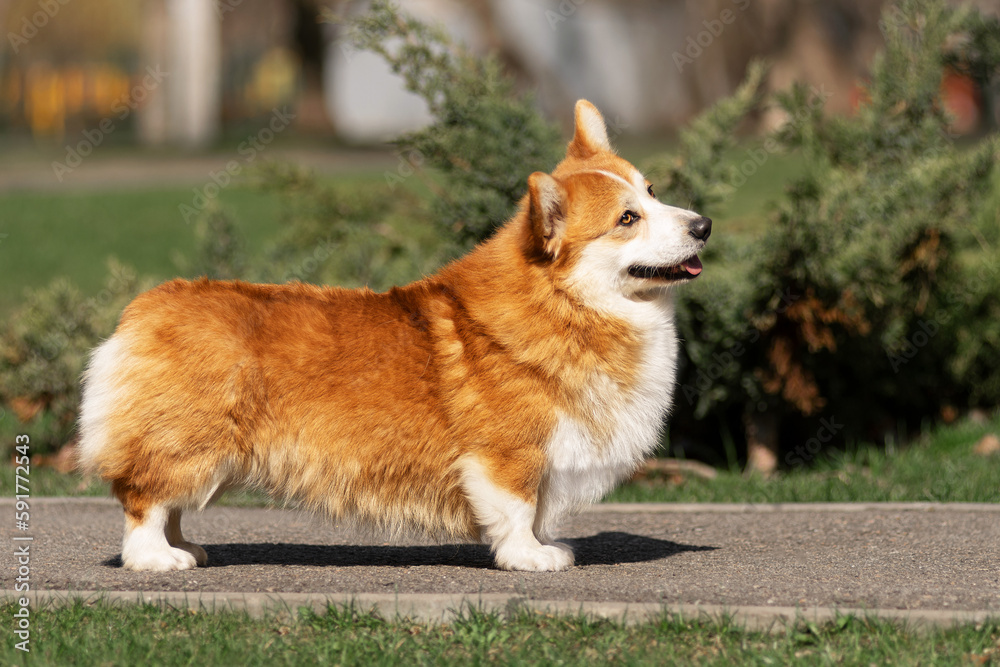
196	63
151	117
183	39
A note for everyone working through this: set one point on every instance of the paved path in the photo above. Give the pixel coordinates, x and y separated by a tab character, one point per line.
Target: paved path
32	170
935	562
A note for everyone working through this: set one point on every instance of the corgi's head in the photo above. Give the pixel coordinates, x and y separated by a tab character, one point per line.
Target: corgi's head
597	220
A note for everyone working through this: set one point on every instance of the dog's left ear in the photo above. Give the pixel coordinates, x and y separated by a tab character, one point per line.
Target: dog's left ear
546	204
591	134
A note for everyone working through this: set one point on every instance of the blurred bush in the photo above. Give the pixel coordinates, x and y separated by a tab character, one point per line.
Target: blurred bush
856	307
350	235
485	139
44	349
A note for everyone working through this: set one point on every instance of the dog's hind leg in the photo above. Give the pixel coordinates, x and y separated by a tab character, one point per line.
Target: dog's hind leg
176	539
145	545
150	528
547	514
507	522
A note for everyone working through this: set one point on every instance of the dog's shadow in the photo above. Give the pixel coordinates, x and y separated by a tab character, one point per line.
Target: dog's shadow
608	548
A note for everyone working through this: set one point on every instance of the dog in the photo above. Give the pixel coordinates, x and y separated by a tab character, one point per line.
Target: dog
484	402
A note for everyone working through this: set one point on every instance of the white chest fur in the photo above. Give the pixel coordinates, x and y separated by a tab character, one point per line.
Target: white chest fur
583	465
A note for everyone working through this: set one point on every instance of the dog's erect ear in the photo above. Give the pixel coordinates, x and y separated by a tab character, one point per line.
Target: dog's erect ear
590	135
546	203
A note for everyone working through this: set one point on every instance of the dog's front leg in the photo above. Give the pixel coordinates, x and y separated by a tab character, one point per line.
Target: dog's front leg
507	522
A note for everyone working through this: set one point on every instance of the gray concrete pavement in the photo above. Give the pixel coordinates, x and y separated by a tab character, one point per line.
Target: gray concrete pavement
929	563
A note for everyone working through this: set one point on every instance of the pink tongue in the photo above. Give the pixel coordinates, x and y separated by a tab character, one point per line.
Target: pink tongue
692	266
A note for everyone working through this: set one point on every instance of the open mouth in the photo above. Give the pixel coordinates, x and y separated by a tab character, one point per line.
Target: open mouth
686	270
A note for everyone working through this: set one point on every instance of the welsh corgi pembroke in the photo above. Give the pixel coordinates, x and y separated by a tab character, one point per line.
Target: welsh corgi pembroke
483	402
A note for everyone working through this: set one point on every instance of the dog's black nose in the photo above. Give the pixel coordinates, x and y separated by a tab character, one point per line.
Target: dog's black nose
700	228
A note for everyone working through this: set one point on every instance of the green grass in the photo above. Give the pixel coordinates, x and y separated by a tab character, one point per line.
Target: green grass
107	634
939	467
73	234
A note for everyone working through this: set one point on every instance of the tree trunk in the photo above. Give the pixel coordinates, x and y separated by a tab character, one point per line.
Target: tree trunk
762	442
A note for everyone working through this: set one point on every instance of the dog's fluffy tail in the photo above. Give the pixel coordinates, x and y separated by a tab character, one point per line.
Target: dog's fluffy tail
101	392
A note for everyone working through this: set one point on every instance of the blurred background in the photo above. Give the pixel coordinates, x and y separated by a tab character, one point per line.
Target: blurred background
66	65
142	140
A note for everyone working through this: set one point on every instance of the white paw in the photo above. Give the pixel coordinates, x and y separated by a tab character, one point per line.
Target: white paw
161	560
565	547
199	554
538	558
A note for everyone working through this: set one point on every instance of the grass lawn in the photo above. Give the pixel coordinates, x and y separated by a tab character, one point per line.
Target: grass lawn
107	634
940	467
73	234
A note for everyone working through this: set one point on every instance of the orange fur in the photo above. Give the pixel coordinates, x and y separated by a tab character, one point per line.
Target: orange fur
372	405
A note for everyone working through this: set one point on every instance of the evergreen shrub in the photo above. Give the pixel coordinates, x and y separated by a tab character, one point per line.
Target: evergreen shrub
44	349
861	304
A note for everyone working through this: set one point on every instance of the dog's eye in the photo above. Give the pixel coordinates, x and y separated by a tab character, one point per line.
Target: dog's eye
649	189
628	217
